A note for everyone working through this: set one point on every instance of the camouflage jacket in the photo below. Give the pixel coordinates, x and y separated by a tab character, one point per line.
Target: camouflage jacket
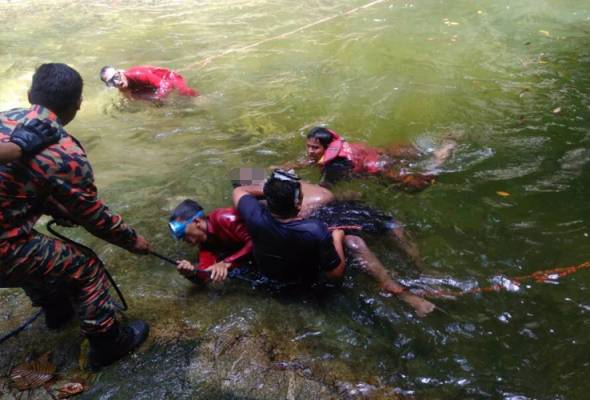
60	173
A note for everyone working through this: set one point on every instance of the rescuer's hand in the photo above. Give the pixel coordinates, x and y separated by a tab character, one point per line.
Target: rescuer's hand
218	271
186	268
34	136
142	246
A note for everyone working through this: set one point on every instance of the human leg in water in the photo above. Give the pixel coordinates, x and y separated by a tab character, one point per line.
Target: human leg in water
354	217
371	265
416	181
409	181
442	154
399	153
403	152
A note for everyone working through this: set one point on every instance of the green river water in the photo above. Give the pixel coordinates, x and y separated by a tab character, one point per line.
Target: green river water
509	79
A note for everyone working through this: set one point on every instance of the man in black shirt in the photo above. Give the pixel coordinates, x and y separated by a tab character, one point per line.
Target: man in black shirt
288	248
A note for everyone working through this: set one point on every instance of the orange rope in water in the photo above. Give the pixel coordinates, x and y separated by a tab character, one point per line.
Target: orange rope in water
207	60
537	277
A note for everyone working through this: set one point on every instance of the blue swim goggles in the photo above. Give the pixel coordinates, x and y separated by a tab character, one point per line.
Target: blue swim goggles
178	228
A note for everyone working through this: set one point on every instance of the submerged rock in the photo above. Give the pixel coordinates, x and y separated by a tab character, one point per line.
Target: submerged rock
242	365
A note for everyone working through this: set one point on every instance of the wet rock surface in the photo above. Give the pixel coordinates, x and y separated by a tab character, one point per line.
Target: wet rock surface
239	362
232	359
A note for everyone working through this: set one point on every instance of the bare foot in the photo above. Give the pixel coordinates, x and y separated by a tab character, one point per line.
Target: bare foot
421	306
444	151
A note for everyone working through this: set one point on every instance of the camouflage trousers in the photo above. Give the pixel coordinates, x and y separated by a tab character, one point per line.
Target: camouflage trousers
55	273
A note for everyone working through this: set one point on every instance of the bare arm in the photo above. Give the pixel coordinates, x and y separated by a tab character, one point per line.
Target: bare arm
9	152
338	272
239	192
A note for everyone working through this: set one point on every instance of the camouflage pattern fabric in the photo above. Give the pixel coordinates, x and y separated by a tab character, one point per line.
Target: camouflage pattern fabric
53	272
58	177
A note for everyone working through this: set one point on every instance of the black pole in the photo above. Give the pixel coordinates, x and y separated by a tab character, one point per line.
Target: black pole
164	258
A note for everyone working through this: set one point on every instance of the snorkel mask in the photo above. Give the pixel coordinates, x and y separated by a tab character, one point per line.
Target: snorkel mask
113	78
178	228
282	175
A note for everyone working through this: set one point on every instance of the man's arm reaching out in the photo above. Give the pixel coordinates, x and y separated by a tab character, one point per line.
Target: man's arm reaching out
239	192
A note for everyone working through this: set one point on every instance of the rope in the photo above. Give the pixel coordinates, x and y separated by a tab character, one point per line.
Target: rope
91	253
207	60
512	283
21	327
233	273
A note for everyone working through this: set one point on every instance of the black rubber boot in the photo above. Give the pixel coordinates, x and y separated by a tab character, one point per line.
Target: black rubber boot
58	315
116	343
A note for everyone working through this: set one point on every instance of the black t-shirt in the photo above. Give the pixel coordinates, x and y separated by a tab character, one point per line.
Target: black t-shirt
292	251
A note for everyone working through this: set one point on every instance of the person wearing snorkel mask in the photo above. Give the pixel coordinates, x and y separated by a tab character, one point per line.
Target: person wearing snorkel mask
146	82
340	159
222	236
291	249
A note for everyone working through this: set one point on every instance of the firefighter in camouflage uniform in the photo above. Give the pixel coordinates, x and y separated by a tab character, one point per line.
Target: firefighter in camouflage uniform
58	180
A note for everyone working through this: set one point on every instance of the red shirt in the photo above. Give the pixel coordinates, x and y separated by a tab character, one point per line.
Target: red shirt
226	234
154	83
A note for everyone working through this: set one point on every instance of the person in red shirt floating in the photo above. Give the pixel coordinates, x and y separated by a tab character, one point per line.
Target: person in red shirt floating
146	82
340	159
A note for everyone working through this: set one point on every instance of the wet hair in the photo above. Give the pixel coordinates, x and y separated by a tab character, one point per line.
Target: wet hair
57	87
185	210
103	70
282	195
322	135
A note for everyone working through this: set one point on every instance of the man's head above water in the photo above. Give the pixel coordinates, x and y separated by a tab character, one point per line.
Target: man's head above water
57	87
188	223
318	140
113	77
282	191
